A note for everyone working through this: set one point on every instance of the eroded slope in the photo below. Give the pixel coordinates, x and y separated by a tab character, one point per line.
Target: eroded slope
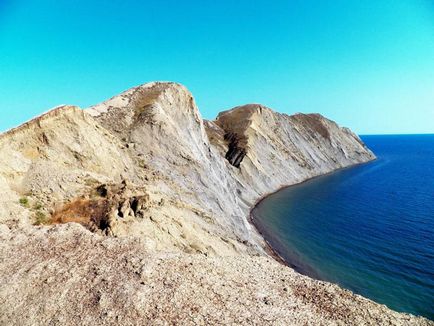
167	198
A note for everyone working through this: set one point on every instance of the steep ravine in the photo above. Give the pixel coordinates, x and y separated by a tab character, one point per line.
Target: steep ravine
160	199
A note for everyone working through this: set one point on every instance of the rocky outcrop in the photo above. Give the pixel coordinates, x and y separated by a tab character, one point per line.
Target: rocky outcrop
102	208
156	188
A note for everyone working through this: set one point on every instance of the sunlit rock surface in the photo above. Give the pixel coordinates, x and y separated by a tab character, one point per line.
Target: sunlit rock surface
135	211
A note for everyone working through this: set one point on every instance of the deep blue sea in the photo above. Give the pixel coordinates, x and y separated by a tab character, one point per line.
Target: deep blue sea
369	228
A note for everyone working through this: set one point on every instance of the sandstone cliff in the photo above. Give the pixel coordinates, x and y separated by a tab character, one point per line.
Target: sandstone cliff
162	199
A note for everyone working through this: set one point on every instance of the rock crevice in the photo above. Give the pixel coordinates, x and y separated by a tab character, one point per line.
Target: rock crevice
236	151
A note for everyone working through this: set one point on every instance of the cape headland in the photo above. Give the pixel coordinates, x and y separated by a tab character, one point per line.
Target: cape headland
136	211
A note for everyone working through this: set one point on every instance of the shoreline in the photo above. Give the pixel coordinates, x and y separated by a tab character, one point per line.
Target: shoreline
273	252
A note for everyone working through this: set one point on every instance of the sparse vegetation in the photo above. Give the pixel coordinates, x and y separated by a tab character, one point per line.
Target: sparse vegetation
40	218
90	182
24	201
37	206
92	213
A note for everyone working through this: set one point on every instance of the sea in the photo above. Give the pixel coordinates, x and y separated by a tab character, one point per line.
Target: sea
368	228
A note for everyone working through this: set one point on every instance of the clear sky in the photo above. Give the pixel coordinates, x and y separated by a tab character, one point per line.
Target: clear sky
368	65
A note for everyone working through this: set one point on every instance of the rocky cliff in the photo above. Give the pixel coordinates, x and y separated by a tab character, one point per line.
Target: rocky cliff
136	211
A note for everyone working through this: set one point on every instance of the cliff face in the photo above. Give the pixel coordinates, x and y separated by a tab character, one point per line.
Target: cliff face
272	150
150	182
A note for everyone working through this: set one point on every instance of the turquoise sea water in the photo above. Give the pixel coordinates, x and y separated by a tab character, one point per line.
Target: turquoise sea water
369	228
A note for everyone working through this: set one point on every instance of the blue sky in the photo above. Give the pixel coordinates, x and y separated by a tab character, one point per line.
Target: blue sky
368	65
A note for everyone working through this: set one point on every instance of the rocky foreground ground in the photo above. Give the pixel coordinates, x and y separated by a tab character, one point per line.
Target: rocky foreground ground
63	276
135	211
